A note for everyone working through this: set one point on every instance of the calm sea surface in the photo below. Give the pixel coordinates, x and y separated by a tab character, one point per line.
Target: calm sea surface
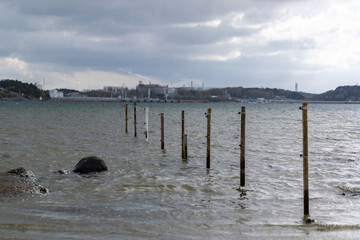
152	194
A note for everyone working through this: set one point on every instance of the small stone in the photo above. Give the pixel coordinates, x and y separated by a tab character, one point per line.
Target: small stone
310	221
62	171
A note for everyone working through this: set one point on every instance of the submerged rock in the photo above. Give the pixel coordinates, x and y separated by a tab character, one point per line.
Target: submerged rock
22	172
310	221
90	164
62	171
18	181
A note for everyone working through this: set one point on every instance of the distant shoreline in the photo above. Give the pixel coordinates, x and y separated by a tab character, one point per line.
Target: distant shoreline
100	99
104	99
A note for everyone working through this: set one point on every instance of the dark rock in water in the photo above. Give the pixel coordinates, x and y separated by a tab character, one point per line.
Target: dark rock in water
18	181
90	164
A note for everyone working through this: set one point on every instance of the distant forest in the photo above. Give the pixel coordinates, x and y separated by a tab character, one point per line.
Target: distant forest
343	93
223	94
14	89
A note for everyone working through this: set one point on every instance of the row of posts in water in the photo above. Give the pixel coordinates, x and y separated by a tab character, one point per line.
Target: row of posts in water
184	146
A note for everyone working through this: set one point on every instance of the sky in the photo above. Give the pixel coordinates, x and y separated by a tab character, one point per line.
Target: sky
88	44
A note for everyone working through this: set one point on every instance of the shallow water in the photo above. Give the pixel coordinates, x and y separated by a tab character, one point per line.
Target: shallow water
152	194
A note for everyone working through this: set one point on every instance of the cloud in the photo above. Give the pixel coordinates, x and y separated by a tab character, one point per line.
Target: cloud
188	82
90	79
225	43
332	30
95	79
15	67
239	23
222	58
212	24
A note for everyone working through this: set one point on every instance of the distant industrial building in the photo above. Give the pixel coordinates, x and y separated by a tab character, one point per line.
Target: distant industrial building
172	91
151	88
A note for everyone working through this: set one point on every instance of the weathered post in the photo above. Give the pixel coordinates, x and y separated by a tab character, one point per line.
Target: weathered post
147	124
126	118
242	148
208	115
162	131
182	134
305	160
185	147
135	133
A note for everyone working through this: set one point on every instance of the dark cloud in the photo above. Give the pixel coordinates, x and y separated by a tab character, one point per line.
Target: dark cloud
165	40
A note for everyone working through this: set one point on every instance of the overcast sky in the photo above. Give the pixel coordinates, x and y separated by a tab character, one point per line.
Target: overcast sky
88	44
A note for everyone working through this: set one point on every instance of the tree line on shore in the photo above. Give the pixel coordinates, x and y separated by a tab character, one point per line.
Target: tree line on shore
17	90
213	94
342	93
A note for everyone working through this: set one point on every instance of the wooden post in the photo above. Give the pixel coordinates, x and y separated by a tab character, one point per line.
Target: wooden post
147	124
185	147
162	131
242	148
182	134
126	118
135	133
305	159
208	138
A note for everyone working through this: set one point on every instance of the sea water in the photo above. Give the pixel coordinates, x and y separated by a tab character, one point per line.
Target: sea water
149	193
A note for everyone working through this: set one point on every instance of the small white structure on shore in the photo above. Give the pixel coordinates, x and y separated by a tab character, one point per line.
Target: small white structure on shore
56	94
260	100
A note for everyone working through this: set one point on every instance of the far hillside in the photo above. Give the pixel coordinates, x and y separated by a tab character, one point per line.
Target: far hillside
223	94
343	93
16	90
67	92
